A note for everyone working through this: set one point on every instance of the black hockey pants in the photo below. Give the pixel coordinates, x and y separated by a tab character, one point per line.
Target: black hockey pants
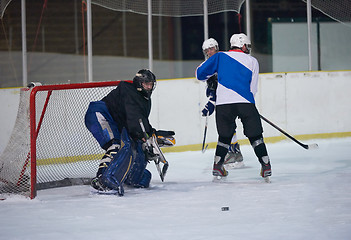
226	115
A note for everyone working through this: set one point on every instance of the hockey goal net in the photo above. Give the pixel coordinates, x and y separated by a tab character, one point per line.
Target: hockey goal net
50	145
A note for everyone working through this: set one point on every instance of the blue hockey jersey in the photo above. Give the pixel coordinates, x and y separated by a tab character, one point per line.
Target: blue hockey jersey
237	76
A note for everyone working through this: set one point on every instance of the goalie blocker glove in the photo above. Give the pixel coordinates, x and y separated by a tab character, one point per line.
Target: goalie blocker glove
148	149
164	139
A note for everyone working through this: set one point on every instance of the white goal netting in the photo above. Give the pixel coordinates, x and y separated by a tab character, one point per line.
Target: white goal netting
339	10
15	158
172	8
63	152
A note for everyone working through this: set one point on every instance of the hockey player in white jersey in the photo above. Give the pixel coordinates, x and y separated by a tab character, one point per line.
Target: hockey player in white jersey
234	158
237	73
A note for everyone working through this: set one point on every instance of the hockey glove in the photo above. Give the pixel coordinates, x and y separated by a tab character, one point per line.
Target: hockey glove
164	133
212	82
165	138
211	94
149	151
210	106
208	109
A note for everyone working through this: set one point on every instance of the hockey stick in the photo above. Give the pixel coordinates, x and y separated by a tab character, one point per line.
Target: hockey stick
162	172
306	146
205	133
161	158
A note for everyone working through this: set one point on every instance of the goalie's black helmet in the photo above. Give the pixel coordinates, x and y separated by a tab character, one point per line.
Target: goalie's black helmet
145	82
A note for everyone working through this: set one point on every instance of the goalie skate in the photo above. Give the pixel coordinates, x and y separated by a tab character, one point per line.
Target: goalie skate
105	192
99	188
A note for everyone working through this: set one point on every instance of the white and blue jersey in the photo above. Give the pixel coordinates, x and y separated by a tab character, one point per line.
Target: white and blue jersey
237	76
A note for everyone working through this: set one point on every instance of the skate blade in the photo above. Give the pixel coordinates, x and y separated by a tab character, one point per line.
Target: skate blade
219	178
103	192
108	192
267	179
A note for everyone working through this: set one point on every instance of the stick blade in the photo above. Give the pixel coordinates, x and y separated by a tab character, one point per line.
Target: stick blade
204	149
164	170
313	146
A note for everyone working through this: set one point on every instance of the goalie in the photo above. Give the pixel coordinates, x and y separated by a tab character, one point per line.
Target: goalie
119	122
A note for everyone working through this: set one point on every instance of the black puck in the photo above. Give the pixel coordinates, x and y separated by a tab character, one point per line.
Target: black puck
225	208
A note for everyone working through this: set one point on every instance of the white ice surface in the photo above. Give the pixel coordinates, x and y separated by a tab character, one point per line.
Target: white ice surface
309	198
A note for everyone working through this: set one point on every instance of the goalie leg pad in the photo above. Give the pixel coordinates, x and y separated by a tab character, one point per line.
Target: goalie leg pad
120	166
145	180
136	175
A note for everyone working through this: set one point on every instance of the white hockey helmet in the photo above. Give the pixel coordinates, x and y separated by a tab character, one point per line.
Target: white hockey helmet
239	40
209	43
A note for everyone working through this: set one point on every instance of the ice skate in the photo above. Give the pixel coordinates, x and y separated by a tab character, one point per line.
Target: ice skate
219	175
96	182
99	186
266	172
234	158
219	170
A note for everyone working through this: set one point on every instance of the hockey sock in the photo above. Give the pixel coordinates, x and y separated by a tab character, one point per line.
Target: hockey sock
110	153
222	149
106	159
260	149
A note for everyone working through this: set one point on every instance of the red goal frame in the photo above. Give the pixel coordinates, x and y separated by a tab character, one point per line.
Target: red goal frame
34	128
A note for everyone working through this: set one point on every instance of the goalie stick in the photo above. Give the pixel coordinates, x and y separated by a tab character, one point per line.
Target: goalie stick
161	158
158	152
305	146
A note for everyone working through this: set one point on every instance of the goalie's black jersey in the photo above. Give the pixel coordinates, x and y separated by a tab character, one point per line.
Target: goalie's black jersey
127	106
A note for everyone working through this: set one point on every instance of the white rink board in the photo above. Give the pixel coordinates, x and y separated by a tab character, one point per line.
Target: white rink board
300	103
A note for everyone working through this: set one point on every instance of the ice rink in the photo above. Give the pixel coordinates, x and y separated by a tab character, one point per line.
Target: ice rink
309	198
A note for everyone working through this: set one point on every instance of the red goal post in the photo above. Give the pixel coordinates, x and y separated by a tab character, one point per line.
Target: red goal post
50	145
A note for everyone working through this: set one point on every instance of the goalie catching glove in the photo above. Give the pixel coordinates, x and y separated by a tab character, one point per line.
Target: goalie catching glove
165	138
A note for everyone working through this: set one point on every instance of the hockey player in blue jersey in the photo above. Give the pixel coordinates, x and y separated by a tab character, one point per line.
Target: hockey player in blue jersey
234	158
237	73
115	122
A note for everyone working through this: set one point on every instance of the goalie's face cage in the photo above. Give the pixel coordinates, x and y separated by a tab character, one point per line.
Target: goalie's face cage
145	82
